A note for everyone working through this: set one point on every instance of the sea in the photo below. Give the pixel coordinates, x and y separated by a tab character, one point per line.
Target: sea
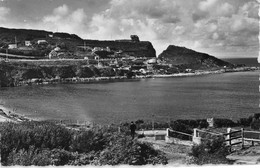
228	95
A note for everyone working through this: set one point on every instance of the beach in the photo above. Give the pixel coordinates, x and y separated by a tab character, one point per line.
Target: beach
7	115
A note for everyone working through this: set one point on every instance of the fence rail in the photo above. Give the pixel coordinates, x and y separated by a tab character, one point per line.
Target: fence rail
232	137
178	134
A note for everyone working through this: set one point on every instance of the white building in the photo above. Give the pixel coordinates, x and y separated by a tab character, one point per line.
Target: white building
41	42
56	49
12	46
27	43
53	54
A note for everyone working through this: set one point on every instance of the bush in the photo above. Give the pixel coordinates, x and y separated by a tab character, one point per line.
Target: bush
245	121
44	143
45	157
179	126
32	73
257	116
211	151
255	125
201	123
38	134
122	150
224	122
66	72
85	72
29	157
88	141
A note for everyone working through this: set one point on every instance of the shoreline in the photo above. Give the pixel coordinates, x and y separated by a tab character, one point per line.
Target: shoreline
77	80
8	115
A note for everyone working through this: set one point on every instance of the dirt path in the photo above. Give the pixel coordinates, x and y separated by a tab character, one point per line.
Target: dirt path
250	155
176	154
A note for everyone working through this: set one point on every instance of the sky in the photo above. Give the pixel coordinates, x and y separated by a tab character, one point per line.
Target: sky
223	28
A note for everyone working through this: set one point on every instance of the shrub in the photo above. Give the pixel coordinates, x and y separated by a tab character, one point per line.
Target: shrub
32	73
211	151
29	157
66	72
122	150
257	116
245	121
87	141
179	126
60	157
44	143
224	122
38	134
84	72
202	123
45	157
255	125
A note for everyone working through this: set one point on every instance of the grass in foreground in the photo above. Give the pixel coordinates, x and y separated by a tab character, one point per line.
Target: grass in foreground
44	143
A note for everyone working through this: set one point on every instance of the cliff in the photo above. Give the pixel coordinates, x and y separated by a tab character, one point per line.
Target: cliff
69	42
138	49
181	56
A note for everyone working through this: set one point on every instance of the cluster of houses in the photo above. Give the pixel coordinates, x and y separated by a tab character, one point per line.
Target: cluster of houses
101	56
27	43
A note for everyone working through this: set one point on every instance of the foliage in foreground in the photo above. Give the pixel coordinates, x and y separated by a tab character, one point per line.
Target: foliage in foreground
211	151
44	143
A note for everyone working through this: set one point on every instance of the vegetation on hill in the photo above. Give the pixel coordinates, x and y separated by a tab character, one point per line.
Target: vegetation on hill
68	42
137	49
44	143
8	35
12	74
187	58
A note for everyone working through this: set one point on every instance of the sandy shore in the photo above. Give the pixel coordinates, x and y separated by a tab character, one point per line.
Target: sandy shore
7	115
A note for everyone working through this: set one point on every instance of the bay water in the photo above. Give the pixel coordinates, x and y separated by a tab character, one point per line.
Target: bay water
227	95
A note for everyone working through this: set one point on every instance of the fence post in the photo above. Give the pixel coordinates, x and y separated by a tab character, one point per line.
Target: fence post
167	132
229	136
242	135
195	132
196	139
229	139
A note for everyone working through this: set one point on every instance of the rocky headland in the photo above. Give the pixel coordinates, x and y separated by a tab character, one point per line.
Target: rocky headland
184	57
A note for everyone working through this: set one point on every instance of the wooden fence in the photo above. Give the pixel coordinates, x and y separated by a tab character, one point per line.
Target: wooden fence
232	137
176	134
237	135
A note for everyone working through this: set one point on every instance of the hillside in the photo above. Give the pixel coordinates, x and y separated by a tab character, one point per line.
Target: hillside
137	49
69	43
181	56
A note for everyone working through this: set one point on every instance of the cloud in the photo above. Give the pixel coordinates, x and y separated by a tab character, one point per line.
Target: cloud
207	5
226	10
250	9
165	10
213	8
211	26
3	13
61	10
65	20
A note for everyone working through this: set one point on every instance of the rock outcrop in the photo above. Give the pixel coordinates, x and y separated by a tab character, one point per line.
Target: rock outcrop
181	56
